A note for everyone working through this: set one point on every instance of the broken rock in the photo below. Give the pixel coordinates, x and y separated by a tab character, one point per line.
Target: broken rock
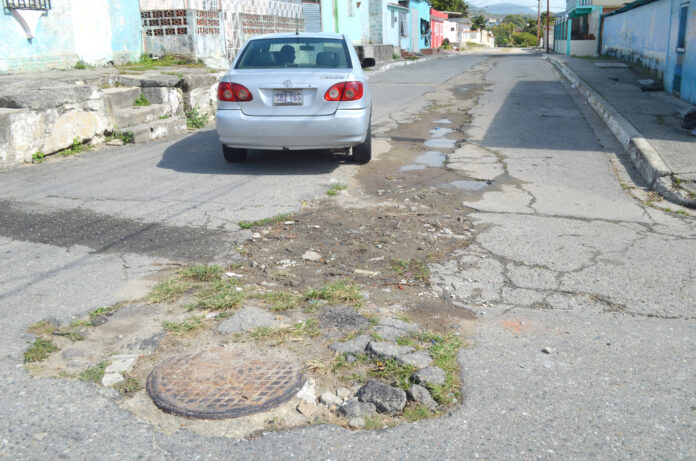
356	409
310	255
419	394
418	359
386	399
354	346
430	375
386	349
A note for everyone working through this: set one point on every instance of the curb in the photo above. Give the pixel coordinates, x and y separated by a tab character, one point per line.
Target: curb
407	62
644	156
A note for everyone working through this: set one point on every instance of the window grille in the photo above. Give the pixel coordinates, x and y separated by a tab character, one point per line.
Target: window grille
27	4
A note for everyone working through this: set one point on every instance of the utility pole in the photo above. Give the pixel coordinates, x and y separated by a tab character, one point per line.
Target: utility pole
538	22
548	18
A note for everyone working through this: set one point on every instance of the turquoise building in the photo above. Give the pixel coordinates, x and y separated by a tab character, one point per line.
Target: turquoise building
348	17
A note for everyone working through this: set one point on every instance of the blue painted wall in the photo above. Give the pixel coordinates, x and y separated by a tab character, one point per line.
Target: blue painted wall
54	44
126	29
53	41
423	8
647	35
640	35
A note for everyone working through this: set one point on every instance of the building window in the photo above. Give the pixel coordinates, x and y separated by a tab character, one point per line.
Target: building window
27	4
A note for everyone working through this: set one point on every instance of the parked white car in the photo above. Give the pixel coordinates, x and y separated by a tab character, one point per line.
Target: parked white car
294	92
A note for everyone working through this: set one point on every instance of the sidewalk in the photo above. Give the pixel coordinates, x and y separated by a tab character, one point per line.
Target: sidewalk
647	123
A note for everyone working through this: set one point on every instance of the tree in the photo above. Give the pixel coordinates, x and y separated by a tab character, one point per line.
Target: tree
517	19
479	23
503	33
531	26
543	19
457	6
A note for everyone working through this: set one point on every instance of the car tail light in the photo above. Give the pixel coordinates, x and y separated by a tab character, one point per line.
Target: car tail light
233	92
345	91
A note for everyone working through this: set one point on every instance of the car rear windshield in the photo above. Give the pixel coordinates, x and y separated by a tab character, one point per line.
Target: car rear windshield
299	52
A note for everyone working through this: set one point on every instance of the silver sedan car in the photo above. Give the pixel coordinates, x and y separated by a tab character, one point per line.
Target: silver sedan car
293	92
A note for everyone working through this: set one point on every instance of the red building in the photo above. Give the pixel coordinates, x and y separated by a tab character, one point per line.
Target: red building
437	19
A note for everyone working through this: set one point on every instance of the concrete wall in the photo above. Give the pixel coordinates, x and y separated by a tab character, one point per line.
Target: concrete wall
195	33
94	31
639	35
348	17
583	47
450	31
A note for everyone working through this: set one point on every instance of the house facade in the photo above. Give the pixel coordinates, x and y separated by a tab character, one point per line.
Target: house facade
659	35
43	34
577	31
348	17
437	28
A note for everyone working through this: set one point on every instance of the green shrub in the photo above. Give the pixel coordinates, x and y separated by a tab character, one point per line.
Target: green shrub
524	39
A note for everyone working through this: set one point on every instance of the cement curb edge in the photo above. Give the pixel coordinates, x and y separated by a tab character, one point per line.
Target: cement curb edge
407	62
644	156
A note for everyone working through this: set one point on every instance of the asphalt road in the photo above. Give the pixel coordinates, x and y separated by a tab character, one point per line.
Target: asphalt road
565	259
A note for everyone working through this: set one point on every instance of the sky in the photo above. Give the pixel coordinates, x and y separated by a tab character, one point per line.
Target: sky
557	6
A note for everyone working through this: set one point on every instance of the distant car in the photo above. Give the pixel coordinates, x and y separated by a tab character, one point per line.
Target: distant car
294	92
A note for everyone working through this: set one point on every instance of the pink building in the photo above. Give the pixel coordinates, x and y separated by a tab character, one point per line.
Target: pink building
437	28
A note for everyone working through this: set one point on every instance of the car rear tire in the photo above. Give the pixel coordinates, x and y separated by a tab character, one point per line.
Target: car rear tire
234	155
362	153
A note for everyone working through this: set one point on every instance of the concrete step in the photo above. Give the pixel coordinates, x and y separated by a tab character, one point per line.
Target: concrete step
135	115
157	129
120	98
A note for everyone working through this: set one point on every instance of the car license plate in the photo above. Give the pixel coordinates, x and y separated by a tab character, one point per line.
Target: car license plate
287	97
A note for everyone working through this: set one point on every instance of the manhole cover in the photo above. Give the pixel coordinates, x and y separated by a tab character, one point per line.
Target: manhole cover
218	383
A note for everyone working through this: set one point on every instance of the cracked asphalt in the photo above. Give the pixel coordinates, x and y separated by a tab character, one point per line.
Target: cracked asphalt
586	336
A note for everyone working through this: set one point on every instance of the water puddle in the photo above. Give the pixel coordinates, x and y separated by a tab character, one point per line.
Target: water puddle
470	185
431	158
412	167
441	143
438	132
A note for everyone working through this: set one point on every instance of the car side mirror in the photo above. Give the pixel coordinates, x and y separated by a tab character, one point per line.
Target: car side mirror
368	62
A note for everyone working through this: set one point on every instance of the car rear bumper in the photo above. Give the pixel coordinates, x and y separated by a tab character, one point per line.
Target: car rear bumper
345	128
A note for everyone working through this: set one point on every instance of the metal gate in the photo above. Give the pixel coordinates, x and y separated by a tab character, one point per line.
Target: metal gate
311	12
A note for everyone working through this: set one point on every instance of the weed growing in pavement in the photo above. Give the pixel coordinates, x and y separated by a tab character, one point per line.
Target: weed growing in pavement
39	350
221	295
148	63
335	188
395	56
141	101
374	422
75	148
190	324
128	386
94	374
41	328
340	292
307	328
125	136
262	222
38	157
80	65
407	341
101	311
416	411
164	117
195	119
281	300
167	290
443	350
411	268
175	74
393	370
683	213
201	273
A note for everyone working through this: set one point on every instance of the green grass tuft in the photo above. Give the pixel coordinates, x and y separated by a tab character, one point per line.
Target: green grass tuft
94	374
39	350
262	222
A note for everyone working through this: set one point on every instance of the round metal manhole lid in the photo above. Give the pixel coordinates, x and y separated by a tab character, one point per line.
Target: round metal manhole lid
218	383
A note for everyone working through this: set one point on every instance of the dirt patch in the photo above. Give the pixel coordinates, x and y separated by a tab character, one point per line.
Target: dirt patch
349	266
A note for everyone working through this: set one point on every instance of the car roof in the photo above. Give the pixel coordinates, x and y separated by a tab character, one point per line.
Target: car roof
301	34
